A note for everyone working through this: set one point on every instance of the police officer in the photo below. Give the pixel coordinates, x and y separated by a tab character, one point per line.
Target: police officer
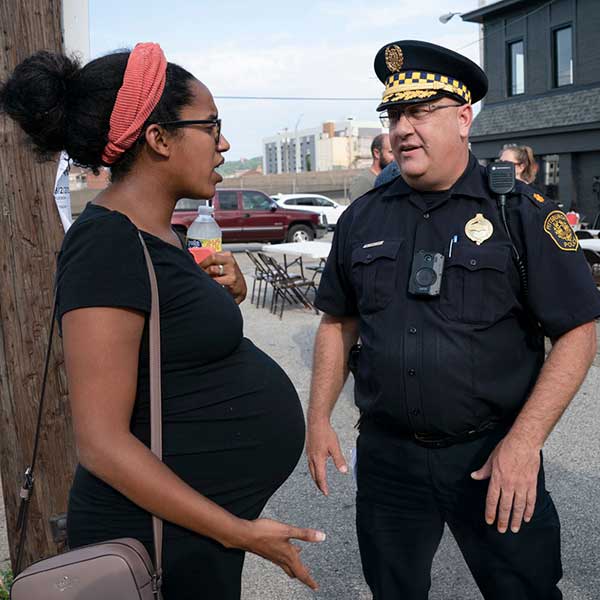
450	294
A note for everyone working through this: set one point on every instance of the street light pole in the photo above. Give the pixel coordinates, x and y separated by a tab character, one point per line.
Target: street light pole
349	119
297	152
285	166
297	144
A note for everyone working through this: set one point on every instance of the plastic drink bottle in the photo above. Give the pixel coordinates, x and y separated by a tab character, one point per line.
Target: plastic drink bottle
204	233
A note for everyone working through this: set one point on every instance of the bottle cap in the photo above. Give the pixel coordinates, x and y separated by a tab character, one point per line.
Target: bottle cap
204	209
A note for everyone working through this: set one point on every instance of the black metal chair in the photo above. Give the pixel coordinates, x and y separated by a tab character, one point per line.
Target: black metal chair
261	274
287	287
316	269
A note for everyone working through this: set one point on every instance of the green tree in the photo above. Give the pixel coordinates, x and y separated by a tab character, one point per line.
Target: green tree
5	583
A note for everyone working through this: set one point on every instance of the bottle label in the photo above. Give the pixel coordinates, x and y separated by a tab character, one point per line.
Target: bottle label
212	243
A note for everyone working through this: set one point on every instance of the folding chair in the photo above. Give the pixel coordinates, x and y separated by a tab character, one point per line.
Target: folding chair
317	269
293	288
276	275
261	274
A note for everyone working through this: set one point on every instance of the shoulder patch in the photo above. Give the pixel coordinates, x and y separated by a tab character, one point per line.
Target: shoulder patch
534	197
559	229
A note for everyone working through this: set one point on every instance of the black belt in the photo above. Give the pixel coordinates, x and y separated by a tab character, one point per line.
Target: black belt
428	440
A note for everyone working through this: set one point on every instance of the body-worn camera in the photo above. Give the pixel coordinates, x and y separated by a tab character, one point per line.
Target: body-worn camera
426	274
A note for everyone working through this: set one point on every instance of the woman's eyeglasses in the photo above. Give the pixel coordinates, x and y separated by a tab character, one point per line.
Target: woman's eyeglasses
216	123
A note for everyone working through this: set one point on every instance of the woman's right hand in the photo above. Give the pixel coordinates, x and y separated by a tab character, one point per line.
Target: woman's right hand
272	540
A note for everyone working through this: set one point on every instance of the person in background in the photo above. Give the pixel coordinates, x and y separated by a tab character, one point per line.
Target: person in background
390	172
233	427
381	151
526	167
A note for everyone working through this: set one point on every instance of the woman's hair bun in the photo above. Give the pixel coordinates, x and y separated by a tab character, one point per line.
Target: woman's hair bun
37	96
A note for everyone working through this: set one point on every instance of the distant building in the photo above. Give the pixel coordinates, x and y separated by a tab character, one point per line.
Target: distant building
335	145
543	63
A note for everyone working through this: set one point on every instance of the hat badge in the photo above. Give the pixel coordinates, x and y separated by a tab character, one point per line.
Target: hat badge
394	58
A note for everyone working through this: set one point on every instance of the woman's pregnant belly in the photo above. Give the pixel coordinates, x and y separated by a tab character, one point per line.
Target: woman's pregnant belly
239	447
236	443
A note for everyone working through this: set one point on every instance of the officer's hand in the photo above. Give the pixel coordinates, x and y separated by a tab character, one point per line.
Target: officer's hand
321	443
513	469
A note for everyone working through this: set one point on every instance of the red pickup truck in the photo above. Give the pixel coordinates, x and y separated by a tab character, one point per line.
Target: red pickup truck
251	216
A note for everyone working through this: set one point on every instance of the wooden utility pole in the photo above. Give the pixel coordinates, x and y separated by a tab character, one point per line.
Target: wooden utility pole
30	237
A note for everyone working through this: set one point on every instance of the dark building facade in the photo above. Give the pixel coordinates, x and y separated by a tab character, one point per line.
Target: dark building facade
543	62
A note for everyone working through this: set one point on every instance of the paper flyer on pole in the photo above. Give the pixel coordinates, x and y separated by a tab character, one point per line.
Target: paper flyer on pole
62	194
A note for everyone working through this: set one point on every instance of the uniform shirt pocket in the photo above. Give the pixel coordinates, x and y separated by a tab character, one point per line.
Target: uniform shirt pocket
374	273
476	287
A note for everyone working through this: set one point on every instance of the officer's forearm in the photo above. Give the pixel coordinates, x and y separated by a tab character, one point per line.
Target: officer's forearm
335	337
558	382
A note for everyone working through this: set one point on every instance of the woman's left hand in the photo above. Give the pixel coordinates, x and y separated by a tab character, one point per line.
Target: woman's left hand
223	268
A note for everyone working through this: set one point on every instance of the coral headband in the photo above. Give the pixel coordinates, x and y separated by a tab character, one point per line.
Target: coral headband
142	88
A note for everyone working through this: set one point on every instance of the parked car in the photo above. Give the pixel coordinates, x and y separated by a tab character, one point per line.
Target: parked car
315	202
251	216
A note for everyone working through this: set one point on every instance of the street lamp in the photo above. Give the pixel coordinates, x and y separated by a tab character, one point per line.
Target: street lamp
445	18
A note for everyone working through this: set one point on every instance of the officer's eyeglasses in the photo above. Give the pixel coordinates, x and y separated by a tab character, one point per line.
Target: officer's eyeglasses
216	123
414	113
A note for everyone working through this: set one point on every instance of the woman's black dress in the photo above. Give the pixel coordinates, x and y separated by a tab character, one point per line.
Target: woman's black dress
233	427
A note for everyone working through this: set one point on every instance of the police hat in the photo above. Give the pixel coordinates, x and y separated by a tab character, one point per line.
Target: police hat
418	71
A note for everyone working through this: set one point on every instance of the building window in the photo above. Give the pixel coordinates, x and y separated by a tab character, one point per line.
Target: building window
551	169
516	65
563	56
550	175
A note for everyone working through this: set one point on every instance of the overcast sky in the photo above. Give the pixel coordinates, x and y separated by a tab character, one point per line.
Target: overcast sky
274	48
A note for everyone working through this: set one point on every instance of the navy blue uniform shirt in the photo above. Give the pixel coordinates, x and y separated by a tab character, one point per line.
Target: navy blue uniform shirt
447	364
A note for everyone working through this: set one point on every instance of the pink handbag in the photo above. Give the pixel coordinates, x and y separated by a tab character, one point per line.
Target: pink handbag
115	570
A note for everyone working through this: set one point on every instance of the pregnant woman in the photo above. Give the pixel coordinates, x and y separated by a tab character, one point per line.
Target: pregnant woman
233	427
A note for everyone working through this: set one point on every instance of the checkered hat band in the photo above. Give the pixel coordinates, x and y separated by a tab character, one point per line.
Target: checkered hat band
410	84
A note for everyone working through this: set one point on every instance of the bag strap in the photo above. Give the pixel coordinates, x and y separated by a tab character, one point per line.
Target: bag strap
155	398
28	476
155	421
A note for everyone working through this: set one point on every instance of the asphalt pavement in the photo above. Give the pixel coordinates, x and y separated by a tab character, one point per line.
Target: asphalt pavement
572	460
